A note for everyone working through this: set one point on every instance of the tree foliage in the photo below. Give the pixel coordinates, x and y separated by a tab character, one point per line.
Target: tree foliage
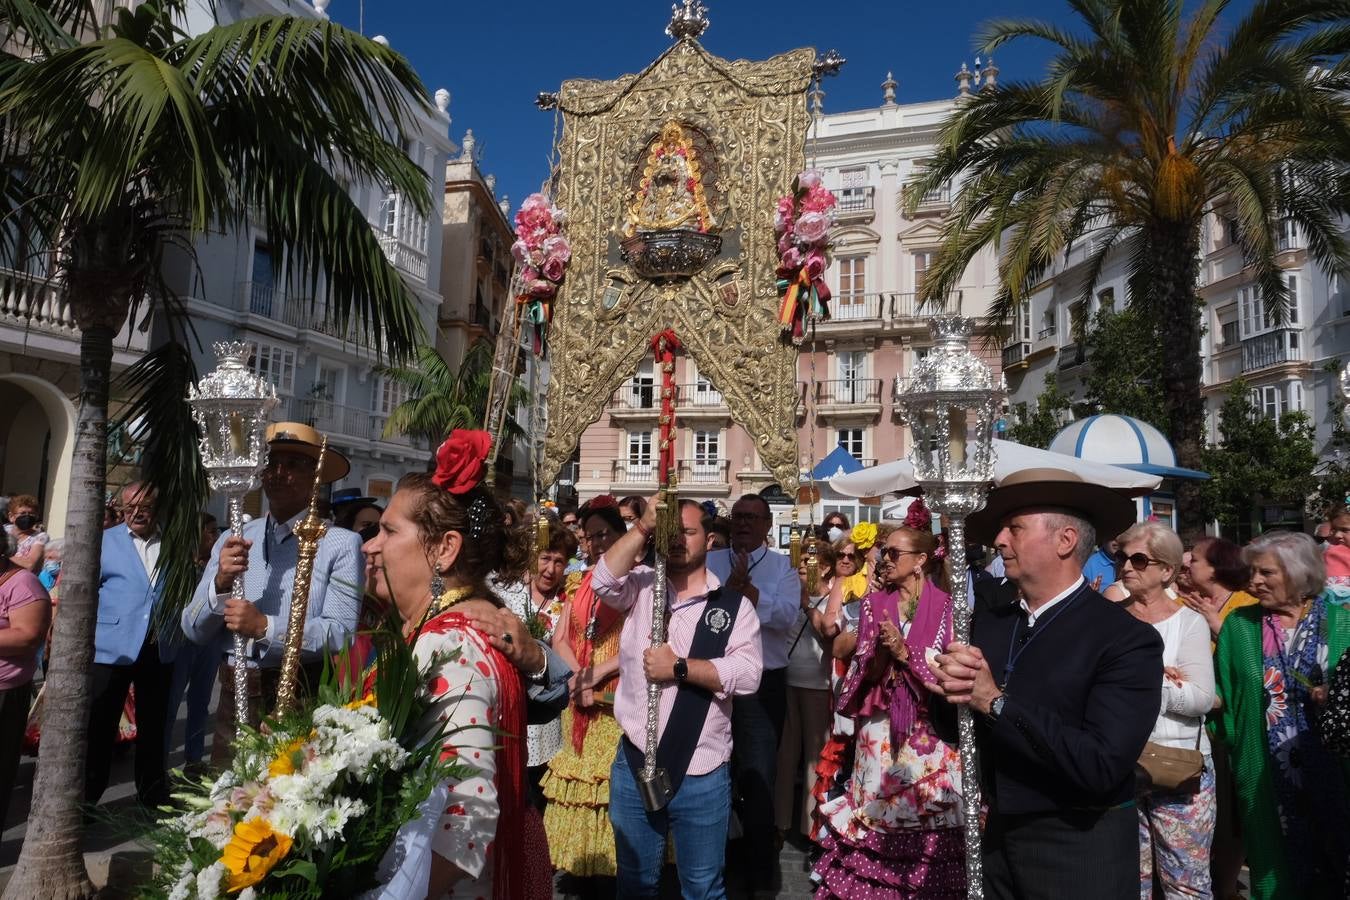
1124	352
1151	113
1040	425
1258	461
441	399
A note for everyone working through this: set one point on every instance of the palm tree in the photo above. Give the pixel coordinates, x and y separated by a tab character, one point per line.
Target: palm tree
441	399
1146	121
118	141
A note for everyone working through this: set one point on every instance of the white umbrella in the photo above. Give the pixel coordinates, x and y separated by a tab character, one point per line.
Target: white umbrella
898	476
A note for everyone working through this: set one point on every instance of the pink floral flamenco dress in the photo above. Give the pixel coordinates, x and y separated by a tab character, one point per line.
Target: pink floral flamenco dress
896	831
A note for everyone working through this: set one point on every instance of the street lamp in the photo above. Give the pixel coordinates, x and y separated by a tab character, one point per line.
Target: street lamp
231	406
950	407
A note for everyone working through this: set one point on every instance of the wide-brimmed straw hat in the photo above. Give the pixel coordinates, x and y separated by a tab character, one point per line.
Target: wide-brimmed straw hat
297	437
1109	511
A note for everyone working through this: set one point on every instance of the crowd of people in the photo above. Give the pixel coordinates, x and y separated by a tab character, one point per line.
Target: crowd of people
1151	717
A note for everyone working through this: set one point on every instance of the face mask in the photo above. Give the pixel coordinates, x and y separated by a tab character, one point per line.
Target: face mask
52	566
628	526
835	533
25	522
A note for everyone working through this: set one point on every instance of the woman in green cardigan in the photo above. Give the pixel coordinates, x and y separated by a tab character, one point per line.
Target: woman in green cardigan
1269	671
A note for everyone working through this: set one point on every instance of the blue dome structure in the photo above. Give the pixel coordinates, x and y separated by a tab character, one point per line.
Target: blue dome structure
1122	441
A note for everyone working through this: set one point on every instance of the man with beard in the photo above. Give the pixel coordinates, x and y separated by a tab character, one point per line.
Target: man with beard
768	580
712	653
129	651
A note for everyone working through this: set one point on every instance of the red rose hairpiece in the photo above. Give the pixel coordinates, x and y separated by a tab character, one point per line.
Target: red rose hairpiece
602	501
461	462
918	517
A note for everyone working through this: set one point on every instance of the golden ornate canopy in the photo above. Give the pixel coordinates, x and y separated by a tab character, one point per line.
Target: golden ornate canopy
743	128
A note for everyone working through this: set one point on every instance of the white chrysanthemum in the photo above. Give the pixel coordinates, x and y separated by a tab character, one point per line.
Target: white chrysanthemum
182	888
209	880
248	893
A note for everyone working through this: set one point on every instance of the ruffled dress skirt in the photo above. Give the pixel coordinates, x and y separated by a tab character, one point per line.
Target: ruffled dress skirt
580	837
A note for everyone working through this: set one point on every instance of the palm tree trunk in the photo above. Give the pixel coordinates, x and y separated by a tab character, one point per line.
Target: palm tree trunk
51	864
1176	265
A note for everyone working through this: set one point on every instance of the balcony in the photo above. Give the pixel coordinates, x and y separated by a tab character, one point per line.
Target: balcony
936	200
344	424
635	400
406	258
1283	345
1047	333
636	473
846	308
849	397
700	400
905	308
38	306
704	476
1071	356
855	204
1015	354
900	386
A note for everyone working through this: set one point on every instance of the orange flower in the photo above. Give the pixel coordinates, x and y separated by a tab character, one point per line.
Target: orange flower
367	700
252	852
286	761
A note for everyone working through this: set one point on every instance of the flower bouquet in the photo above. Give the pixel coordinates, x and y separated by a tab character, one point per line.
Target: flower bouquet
311	805
802	225
542	252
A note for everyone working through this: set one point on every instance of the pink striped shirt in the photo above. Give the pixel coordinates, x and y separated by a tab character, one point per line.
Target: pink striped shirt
739	667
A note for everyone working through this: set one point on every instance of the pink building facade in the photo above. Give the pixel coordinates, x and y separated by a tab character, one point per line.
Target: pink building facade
851	371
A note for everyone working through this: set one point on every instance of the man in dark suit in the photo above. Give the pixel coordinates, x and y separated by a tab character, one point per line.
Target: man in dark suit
1065	686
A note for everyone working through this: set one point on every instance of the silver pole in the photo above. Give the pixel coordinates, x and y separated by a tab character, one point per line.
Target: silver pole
654	784
965	721
236	504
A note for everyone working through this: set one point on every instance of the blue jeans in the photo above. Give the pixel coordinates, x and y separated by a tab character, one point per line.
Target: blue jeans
696	818
194	674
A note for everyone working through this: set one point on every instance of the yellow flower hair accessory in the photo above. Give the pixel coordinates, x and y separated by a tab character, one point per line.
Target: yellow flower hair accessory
255	848
864	535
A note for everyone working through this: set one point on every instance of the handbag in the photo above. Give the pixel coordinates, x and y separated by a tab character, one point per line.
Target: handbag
1172	769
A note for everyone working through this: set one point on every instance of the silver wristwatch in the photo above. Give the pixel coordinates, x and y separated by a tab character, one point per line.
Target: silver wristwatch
996	708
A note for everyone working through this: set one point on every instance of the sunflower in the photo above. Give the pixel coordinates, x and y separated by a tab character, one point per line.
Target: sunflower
288	760
255	848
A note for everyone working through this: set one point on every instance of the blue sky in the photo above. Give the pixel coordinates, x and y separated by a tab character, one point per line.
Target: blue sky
494	57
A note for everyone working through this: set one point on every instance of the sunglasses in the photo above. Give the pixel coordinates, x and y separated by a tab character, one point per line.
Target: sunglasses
1138	560
893	554
849	555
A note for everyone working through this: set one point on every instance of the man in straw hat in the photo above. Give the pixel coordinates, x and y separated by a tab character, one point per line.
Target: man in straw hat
1065	685
266	554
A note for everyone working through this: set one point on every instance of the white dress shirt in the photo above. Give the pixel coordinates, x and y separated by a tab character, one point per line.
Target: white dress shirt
1033	615
780	593
148	550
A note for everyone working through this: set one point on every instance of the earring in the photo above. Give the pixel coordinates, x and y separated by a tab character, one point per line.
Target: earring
437	584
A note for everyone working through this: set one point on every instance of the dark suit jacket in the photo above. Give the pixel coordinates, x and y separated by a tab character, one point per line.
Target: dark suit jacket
1081	702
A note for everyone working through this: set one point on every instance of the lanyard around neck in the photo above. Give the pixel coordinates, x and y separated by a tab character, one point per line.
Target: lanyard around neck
1032	633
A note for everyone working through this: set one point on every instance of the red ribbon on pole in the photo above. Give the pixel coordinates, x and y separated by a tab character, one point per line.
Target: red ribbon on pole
664	347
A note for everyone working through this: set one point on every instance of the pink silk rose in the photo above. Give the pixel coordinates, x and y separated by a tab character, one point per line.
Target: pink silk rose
818	200
520	251
808	179
813	227
785	243
541	288
815	264
557	247
554	269
792	259
461	461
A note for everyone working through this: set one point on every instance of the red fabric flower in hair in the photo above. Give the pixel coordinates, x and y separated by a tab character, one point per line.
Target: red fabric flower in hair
461	462
918	516
601	502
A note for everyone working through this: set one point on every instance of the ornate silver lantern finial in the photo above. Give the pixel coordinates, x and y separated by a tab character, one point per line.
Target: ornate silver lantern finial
950	409
688	21
232	406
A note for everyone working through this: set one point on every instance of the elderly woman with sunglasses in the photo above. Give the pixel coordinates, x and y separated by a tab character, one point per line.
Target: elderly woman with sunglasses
1270	669
1176	827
